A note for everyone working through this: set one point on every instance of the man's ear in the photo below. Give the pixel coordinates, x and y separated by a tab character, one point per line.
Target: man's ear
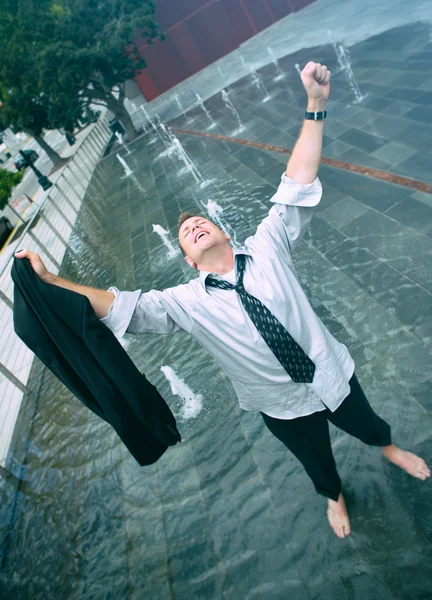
227	237
190	262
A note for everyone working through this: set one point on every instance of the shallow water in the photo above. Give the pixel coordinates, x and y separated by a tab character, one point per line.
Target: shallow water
229	513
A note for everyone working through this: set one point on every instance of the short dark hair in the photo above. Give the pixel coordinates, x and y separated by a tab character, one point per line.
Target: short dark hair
182	218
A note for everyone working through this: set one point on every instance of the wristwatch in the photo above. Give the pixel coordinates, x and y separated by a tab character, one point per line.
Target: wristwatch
315	116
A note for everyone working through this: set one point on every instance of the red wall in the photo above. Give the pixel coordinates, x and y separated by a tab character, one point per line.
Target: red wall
200	32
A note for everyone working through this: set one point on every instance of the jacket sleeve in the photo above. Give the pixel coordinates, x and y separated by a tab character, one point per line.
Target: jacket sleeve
137	312
288	218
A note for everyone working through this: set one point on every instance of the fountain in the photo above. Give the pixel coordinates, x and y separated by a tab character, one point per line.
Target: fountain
172	251
152	125
259	84
177	99
192	402
188	163
168	140
255	79
121	141
231	107
343	57
279	73
129	173
201	103
127	170
215	213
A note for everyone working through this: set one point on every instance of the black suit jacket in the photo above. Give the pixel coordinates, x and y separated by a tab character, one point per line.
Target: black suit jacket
61	328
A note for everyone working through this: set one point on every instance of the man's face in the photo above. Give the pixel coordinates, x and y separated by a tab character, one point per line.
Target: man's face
197	236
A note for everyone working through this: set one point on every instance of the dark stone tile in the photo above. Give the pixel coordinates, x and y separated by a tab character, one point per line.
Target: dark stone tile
385	237
399	108
423	197
393	153
411	213
407	94
335	148
417	166
413	80
332	127
322	236
273	176
257	160
377	89
327	140
423	394
426	55
379	195
387	126
329	197
426	85
329	320
357	157
281	139
341	111
352	260
363	117
419	65
419	113
363	141
417	136
408	302
375	103
341	213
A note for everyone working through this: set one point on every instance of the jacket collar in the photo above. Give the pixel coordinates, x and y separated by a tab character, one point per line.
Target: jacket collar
204	274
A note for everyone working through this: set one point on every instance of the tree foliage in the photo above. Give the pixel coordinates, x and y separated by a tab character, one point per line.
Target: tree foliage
8	181
61	56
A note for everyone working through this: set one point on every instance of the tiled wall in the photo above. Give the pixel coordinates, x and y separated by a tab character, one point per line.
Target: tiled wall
198	32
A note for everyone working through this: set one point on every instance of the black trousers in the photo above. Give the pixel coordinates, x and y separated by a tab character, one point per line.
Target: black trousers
308	437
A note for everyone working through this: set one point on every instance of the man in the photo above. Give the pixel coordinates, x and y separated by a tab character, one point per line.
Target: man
248	310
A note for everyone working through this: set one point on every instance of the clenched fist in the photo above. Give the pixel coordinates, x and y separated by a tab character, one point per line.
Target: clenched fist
316	80
36	262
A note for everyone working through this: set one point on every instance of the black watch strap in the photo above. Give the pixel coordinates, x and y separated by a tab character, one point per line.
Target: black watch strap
315	116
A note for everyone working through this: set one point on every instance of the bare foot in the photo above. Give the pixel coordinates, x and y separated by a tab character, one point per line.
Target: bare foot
409	462
338	517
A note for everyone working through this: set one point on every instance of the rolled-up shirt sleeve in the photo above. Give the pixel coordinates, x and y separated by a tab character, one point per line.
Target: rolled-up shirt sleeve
290	216
137	312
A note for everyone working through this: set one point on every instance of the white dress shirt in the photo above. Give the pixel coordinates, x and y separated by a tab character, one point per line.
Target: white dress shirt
218	321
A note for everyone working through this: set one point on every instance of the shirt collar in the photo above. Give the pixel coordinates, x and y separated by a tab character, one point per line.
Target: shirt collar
204	274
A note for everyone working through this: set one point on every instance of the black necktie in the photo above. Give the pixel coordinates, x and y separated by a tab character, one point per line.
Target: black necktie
297	364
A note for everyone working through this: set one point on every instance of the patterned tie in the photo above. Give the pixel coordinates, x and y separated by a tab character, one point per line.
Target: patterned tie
297	364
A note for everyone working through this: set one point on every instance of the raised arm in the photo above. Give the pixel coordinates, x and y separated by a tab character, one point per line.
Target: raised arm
100	300
304	161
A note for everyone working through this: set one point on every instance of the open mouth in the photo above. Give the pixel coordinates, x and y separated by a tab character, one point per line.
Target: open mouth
200	235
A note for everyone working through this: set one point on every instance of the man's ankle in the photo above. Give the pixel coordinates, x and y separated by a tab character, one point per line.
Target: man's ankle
389	451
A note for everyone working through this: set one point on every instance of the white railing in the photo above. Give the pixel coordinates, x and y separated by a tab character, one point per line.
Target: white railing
47	233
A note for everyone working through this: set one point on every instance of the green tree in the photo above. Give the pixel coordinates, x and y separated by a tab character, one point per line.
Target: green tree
24	106
7	182
82	52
